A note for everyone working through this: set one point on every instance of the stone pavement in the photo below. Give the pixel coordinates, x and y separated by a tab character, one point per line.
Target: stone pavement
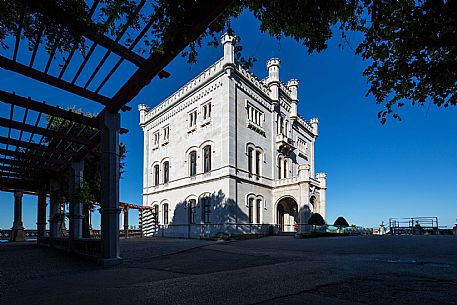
272	270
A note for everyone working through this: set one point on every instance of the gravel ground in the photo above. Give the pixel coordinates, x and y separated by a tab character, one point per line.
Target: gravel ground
272	270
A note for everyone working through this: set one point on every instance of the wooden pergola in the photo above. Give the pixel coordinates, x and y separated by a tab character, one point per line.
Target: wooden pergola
29	164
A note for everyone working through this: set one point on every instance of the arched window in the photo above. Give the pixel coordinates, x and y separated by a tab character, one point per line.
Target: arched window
206	209
192	206
285	168
251	210
192	163
155	213
258	155
281	125
156	174
258	208
166	172
165	213
206	158
279	167
250	155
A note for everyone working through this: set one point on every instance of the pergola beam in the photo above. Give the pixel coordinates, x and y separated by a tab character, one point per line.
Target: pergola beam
15	169
30	145
50	9
29	166
205	14
9	184
14	66
28	156
30	175
47	109
43	131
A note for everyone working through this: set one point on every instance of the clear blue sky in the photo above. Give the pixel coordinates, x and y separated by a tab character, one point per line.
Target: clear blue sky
401	169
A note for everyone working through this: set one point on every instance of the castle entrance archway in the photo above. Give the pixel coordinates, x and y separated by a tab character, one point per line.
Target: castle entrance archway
286	214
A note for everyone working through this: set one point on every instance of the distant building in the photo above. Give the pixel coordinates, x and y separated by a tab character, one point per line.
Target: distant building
228	153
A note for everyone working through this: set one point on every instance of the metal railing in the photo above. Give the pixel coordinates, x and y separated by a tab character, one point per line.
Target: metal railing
413	225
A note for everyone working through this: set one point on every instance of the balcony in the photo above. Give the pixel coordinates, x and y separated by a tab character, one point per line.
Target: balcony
284	144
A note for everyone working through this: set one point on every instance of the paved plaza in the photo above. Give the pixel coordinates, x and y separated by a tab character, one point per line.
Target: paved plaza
271	270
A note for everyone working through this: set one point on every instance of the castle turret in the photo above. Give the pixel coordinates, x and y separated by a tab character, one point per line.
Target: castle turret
228	42
293	87
314	123
273	78
143	109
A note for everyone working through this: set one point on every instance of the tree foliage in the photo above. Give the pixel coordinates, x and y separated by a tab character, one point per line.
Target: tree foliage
341	222
316	219
409	46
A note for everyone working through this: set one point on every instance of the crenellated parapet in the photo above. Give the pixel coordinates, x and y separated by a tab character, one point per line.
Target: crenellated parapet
314	122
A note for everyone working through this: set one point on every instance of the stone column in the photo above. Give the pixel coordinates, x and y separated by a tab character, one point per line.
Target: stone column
55	220
126	222
76	206
41	215
303	204
17	233
322	178
109	163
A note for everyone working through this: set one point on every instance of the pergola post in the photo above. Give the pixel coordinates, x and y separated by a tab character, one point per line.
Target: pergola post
109	163
41	215
126	221
76	206
87	223
17	233
55	216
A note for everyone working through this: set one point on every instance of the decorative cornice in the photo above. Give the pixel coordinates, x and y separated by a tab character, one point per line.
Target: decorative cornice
188	102
187	89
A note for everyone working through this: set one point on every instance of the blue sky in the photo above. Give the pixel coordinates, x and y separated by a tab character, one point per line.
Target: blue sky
400	169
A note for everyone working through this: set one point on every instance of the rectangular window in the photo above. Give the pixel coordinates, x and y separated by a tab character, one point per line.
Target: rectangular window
166	133
193	119
254	115
156	139
206	111
285	168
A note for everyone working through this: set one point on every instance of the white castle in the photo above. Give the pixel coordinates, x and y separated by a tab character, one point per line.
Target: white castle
228	154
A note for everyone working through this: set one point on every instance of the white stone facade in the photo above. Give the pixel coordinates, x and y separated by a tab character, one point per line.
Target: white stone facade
228	154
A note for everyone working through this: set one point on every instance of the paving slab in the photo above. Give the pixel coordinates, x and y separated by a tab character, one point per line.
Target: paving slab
272	270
